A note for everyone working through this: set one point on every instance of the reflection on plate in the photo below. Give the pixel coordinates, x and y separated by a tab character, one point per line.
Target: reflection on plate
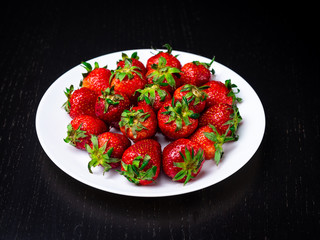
52	121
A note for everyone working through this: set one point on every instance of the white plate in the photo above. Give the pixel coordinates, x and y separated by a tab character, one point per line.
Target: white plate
52	121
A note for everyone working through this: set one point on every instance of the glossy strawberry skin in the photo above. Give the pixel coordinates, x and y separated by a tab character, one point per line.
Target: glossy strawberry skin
171	154
172	61
142	148
150	125
195	74
169	129
82	102
129	86
90	125
113	114
217	93
217	115
97	80
117	141
206	144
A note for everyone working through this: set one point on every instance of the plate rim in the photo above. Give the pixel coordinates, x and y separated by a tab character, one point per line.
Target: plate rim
146	194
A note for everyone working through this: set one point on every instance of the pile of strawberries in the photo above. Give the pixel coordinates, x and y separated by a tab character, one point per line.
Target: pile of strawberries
196	114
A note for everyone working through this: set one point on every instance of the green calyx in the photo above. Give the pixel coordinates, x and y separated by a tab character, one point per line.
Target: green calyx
232	93
74	135
133	119
99	156
180	112
162	72
110	98
218	140
167	46
190	165
133	56
195	93
235	119
206	65
88	67
68	93
127	71
135	172
149	93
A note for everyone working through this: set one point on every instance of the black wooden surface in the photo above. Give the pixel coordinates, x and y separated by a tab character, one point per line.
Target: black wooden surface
275	48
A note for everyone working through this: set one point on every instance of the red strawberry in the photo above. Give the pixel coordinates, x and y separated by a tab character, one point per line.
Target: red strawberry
182	160
195	96
81	128
210	141
166	77
196	73
127	80
221	93
138	123
153	96
135	62
106	150
141	162
176	120
96	79
223	117
110	105
171	60
80	102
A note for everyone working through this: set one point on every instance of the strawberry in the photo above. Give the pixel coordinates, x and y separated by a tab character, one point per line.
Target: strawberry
176	120
166	77
141	162
80	102
127	80
153	96
135	62
195	96
81	128
221	93
182	160
196	73
110	105
96	79
138	123
171	60
210	141
223	117
106	150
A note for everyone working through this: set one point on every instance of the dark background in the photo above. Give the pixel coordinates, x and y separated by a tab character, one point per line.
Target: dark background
275	48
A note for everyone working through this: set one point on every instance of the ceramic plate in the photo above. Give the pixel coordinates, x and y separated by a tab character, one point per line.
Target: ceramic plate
52	121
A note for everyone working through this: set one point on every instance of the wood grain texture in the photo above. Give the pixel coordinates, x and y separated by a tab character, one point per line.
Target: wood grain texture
274	196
